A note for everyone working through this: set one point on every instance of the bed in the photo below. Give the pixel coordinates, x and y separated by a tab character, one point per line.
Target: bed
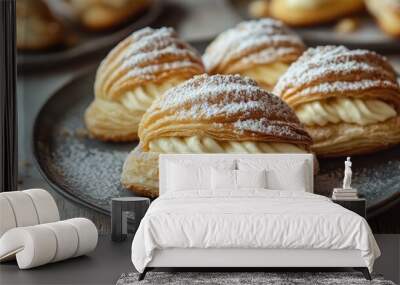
242	211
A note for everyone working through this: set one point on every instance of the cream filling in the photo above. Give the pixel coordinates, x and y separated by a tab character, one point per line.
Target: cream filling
306	4
140	98
266	75
197	144
348	110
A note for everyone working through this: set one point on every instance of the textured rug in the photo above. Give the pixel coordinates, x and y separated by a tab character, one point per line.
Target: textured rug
243	278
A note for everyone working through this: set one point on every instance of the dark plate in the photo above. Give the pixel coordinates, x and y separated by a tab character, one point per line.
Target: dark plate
368	36
88	171
87	43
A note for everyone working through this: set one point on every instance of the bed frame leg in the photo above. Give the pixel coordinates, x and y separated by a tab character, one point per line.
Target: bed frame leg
143	274
364	271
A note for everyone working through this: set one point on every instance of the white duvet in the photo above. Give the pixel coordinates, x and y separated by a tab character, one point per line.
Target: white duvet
250	219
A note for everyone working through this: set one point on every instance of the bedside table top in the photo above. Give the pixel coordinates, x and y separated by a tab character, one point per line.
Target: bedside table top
350	199
130	199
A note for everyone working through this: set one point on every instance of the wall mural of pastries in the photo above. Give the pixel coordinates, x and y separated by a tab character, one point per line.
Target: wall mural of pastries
259	86
179	134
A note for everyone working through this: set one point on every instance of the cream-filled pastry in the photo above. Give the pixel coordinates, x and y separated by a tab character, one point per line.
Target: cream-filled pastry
387	14
348	100
312	12
260	49
37	28
136	72
105	14
211	114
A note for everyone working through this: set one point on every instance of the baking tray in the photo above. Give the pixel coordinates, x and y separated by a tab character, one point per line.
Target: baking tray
88	171
367	36
86	43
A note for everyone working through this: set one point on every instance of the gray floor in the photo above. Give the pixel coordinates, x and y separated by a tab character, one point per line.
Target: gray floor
110	260
103	266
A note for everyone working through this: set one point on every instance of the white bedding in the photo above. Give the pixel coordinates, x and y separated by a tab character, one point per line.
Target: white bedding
250	218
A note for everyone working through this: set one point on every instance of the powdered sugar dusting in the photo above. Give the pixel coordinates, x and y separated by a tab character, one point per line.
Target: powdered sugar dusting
234	100
343	86
322	64
253	37
156	50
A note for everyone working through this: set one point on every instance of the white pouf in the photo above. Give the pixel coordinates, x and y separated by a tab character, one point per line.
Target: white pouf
26	208
40	244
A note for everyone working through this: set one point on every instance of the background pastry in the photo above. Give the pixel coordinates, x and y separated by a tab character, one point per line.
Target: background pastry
387	13
348	100
37	28
311	12
105	14
260	49
211	114
134	73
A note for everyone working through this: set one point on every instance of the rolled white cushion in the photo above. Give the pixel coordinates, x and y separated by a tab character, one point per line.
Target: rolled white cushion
23	209
46	207
40	244
26	208
7	219
66	237
32	246
87	233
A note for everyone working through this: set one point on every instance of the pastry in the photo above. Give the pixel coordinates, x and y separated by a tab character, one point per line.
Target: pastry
312	12
348	100
105	14
211	114
37	28
260	49
134	73
387	13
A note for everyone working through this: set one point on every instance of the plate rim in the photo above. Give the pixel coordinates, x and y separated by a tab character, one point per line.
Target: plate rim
30	62
35	151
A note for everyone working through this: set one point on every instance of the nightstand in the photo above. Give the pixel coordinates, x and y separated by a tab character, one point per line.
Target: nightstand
119	219
358	206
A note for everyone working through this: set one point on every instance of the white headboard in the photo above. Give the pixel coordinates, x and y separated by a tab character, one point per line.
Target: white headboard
201	159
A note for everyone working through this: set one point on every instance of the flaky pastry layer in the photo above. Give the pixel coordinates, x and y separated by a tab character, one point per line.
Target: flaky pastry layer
351	139
336	72
222	107
260	49
136	72
266	75
212	114
346	98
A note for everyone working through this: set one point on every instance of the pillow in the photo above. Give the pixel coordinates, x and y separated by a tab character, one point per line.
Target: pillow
181	177
293	178
288	175
251	179
224	179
